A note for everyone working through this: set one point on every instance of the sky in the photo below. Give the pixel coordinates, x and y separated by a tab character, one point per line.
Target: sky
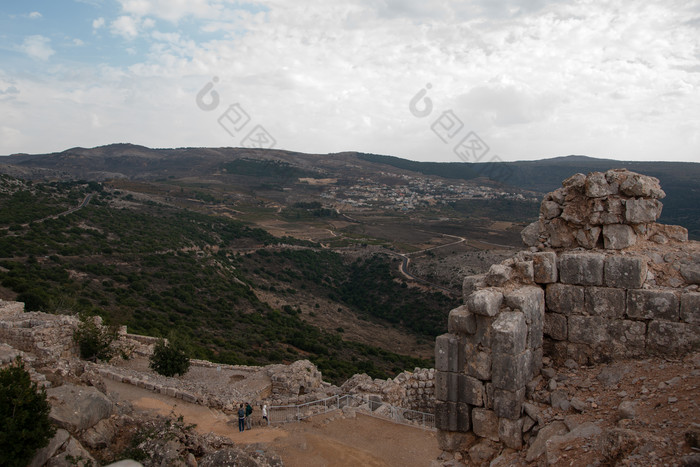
439	80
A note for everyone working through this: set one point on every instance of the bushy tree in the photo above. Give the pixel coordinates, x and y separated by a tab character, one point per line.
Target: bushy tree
169	358
94	340
24	417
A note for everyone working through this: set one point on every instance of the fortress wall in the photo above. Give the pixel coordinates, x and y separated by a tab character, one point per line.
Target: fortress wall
601	281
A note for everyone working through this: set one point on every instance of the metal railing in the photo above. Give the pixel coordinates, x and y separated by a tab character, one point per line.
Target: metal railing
365	405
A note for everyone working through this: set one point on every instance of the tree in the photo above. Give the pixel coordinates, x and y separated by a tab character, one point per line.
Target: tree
94	340
24	417
169	358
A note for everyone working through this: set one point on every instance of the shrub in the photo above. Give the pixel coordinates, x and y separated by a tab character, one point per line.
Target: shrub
94	340
169	358
24	417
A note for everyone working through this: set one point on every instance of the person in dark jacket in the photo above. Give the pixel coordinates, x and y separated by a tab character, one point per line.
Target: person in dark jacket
248	413
241	418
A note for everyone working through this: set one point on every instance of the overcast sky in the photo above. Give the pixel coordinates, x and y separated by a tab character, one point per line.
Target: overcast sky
424	80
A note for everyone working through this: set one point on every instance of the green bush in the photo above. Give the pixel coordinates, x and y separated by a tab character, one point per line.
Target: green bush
94	341
24	417
169	358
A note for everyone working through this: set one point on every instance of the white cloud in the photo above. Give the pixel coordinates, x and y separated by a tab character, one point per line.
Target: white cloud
37	47
35	15
125	26
98	23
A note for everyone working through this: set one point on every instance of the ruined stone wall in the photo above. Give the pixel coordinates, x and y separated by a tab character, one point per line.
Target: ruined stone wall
601	281
413	390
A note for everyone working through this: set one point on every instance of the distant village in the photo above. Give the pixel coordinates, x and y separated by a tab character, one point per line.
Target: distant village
413	192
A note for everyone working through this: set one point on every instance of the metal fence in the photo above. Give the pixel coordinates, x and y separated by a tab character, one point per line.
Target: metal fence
365	405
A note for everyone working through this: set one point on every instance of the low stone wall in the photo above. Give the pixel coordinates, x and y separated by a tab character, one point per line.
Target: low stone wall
413	390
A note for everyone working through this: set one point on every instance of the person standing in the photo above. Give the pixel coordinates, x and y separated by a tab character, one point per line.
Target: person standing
264	414
248	413
241	418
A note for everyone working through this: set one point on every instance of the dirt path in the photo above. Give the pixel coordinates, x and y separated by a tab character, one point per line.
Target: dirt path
325	440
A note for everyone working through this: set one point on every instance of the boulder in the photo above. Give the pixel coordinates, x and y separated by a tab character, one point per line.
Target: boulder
77	408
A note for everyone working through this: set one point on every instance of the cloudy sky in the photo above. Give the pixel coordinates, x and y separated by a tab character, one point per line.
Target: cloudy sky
426	80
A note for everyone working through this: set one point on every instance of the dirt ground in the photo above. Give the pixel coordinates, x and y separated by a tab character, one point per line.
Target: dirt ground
325	440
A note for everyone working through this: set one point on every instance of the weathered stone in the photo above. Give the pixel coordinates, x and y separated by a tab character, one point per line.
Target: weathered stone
652	304
544	267
588	237
550	209
560	400
581	268
74	454
667	338
461	321
557	445
508	404
471	391
77	408
45	453
481	453
575	182
565	299
555	326
628	272
537	448
642	211
524	271
597	186
510	432
591	330
638	185
627	410
485	302
605	301
454	441
628	338
463	417
471	284
100	435
485	423
447	353
446	416
690	307
484	331
509	333
618	236
530	235
511	372
478	365
446	386
498	274
574	213
559	233
691	272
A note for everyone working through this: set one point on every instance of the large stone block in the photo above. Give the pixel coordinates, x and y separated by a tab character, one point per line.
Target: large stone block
461	321
483	331
627	272
529	300
485	423
446	416
447	353
642	211
446	386
652	304
605	301
463	417
667	338
471	284
691	272
509	333
485	302
591	330
627	337
498	274
545	267
565	299
454	441
511	372
690	307
618	236
471	391
508	404
581	268
77	408
510	432
478	364
555	326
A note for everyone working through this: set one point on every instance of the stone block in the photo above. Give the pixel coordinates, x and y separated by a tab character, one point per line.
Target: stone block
498	274
529	300
604	301
667	338
511	372
478	365
463	417
447	353
483	331
544	266
471	391
642	211
550	209
508	404
555	326
591	330
485	302
524	271
536	362
653	304
618	237
581	268
454	441
690	307
565	299
485	423
488	395
510	432
588	237
446	416
691	272
509	333
442	385
627	272
627	337
471	284
461	321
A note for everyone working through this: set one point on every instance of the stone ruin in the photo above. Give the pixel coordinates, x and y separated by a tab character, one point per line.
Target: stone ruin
600	281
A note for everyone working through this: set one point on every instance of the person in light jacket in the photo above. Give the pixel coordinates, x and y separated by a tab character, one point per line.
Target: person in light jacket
264	414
